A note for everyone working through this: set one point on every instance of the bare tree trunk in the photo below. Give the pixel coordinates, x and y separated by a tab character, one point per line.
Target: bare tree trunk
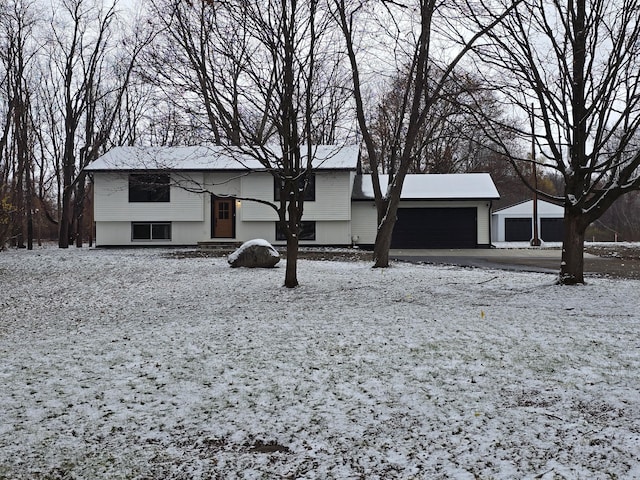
79	210
67	194
383	244
572	265
19	203
29	208
291	273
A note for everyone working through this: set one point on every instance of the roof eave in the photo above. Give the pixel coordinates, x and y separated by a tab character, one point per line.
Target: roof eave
195	170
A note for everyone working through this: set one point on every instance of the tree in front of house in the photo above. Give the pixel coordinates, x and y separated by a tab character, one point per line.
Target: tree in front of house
261	78
572	70
425	40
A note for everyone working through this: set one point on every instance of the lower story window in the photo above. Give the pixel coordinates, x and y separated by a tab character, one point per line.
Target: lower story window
151	231
307	231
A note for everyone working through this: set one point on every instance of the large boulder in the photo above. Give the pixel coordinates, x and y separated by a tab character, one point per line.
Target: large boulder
255	254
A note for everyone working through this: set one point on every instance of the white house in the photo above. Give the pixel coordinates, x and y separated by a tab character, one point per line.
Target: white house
153	196
515	223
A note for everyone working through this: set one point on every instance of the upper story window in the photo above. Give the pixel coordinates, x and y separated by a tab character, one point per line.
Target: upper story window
149	187
309	191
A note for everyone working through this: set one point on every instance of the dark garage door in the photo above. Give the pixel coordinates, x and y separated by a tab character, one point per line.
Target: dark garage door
551	229
435	228
517	229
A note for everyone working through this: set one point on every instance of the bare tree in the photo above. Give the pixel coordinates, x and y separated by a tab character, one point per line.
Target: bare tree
450	140
263	77
197	61
430	22
89	71
572	70
288	39
16	143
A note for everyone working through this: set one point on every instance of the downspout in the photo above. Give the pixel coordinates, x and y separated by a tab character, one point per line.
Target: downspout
490	224
92	229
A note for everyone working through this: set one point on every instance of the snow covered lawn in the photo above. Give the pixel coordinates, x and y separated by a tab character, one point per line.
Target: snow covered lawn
126	364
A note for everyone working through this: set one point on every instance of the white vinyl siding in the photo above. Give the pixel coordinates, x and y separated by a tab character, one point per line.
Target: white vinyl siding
111	200
327	233
224	184
119	233
260	187
364	224
333	198
484	223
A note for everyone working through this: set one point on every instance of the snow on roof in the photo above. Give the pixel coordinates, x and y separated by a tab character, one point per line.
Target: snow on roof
526	208
326	157
433	186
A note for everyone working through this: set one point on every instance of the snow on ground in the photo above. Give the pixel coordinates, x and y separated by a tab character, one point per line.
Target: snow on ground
125	364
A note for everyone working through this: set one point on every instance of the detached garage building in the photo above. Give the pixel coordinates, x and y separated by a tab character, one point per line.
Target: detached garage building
436	211
515	223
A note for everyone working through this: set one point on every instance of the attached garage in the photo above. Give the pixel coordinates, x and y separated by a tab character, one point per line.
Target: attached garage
515	223
435	228
436	211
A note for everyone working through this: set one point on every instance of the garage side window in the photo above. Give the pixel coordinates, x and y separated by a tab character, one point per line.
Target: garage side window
151	231
144	187
307	231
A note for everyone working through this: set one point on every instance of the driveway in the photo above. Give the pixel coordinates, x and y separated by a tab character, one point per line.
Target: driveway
545	260
614	260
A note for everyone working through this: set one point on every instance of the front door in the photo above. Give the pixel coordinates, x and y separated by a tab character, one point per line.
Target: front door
223	217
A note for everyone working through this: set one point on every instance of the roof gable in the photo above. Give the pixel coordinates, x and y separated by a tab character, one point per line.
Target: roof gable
526	207
201	158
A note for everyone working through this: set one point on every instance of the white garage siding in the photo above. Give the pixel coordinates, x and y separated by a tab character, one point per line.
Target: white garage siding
484	224
364	223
